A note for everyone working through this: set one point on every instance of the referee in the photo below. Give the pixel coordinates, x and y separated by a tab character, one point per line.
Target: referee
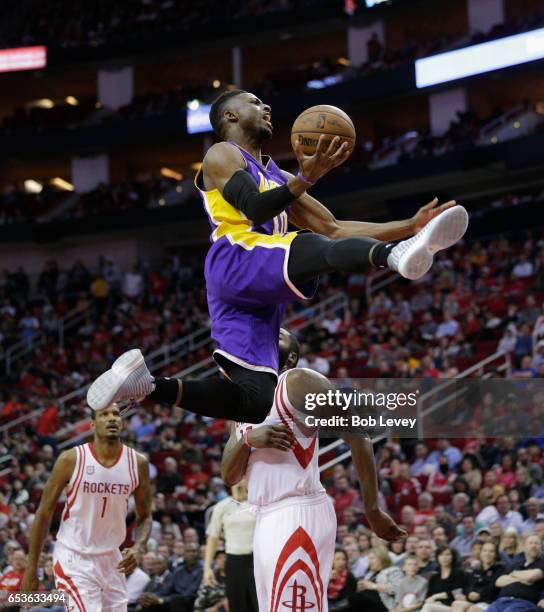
232	517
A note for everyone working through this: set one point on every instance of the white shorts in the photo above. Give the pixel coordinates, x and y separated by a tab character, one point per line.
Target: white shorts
293	551
92	581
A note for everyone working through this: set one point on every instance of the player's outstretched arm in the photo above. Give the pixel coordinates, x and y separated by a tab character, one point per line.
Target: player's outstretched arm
60	476
362	454
309	213
142	497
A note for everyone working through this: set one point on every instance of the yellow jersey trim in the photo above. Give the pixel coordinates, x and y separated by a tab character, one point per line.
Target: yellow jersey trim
232	223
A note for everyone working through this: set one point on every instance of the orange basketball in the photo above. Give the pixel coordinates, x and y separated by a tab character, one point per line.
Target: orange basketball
322	119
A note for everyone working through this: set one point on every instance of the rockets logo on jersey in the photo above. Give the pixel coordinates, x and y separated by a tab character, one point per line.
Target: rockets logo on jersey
298	601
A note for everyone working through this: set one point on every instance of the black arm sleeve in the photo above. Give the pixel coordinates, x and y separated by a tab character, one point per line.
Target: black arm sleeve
242	192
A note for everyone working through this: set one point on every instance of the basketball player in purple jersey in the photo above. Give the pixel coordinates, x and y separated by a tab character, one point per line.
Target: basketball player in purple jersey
255	265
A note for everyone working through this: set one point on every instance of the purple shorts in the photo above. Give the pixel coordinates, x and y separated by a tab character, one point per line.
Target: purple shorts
247	289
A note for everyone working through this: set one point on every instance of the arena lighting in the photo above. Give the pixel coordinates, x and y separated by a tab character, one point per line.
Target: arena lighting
196	166
71	101
198	117
42	103
216	84
23	58
61	184
32	186
325	82
477	59
371	3
169	173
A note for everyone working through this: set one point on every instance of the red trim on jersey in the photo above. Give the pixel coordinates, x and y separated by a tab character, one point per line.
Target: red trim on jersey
71	598
131	470
129	461
91	448
298	539
303	455
61	574
286	408
77	482
78	452
136	473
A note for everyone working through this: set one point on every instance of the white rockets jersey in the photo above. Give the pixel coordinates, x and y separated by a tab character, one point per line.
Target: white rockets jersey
274	474
94	516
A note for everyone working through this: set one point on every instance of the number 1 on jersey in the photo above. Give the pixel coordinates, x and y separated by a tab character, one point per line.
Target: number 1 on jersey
104	507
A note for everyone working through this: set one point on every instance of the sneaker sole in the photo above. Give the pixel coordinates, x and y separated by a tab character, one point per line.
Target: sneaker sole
103	390
442	232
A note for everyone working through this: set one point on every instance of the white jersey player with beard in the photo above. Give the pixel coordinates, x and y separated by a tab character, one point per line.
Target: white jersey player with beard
295	534
296	524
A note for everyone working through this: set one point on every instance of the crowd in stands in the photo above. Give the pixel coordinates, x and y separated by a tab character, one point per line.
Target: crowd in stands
63	116
322	73
71	25
143	304
153	191
74	24
477	300
138	194
471	495
142	193
17	206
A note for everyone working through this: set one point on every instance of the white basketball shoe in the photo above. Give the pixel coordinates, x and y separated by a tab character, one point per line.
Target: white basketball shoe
412	258
127	379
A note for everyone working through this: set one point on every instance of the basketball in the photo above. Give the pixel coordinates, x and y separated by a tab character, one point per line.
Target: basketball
322	119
